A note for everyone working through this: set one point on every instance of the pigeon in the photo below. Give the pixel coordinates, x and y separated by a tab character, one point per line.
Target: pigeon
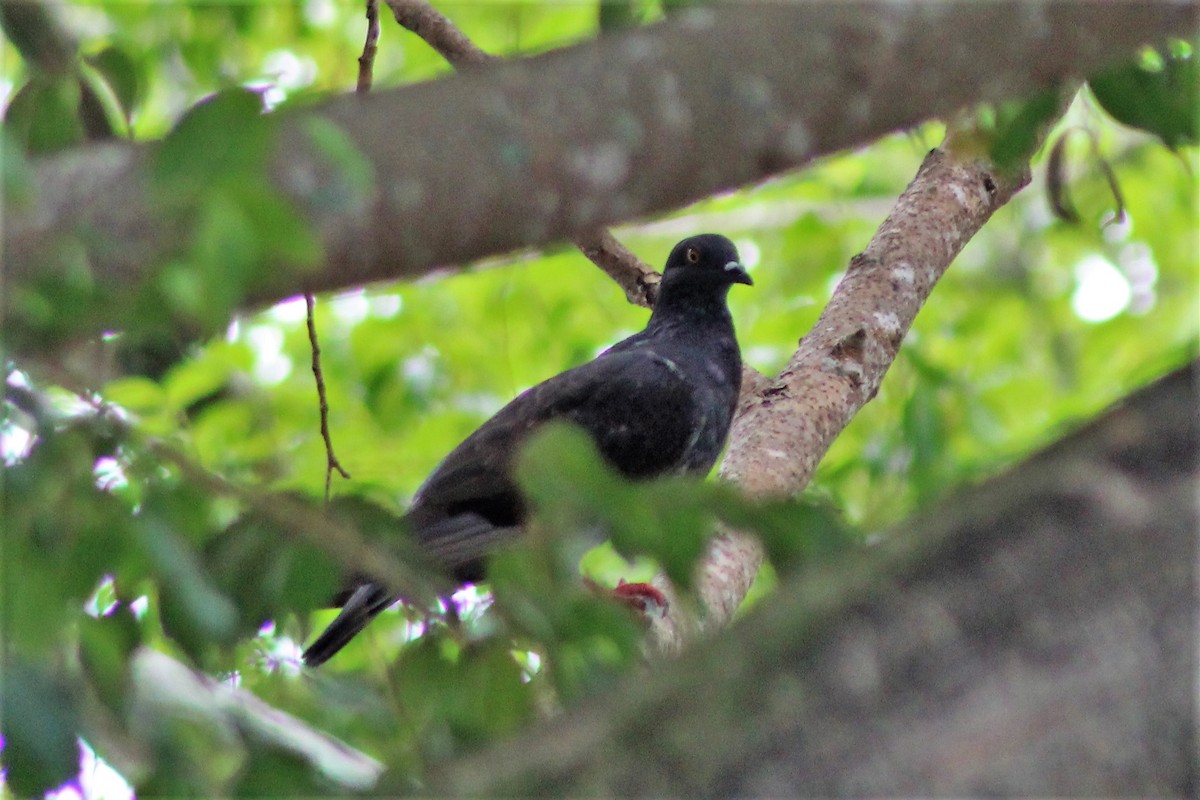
657	403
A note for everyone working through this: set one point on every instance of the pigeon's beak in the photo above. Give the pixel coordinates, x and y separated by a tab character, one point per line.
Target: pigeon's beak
737	273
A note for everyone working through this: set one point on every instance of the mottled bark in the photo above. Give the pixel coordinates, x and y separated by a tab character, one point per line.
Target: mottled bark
1031	636
782	433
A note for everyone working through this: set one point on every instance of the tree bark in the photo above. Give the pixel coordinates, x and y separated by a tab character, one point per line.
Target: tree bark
536	150
1032	636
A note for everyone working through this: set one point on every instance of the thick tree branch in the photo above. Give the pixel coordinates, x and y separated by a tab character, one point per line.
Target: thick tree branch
1032	636
636	277
536	150
781	435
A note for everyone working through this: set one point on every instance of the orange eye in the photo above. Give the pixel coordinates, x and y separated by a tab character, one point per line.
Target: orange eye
692	255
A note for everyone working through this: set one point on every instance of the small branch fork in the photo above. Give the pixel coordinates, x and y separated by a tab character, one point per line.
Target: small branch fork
636	277
331	460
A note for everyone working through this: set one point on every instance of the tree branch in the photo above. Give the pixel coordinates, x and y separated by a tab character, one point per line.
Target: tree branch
439	32
636	277
331	459
540	149
784	428
366	61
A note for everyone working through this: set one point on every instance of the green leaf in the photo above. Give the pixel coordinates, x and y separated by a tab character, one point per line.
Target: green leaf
59	535
225	255
195	612
924	429
139	395
41	720
349	185
223	139
43	115
274	772
618	14
800	532
106	645
1163	101
281	232
16	173
668	520
561	472
120	73
268	572
1018	126
596	641
379	526
488	698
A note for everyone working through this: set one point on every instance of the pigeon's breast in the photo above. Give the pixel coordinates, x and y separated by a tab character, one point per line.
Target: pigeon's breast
714	377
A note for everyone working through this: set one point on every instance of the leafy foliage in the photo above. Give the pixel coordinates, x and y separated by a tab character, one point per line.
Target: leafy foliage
1157	94
110	548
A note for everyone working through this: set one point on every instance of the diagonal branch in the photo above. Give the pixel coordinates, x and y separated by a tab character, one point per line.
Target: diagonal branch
439	32
782	431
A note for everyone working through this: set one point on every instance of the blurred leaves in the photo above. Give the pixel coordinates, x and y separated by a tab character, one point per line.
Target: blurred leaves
220	140
1159	93
43	115
60	535
121	74
1058	181
41	718
669	519
1016	128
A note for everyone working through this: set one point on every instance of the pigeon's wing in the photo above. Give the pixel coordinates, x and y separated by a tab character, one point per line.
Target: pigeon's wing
643	410
637	406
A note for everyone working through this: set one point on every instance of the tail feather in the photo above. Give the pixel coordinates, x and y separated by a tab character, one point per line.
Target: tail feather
458	544
360	608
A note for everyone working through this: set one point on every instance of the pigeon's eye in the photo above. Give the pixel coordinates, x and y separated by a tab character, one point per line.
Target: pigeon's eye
692	255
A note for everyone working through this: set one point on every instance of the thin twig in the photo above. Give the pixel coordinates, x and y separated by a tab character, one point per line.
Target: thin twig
366	65
366	62
636	277
331	460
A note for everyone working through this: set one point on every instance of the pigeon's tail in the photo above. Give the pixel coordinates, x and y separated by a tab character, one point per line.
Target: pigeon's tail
360	608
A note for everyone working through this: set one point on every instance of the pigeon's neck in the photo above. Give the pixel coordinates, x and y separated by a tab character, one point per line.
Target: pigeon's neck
691	311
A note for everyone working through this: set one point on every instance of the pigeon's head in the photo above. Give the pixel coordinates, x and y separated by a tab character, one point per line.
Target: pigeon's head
706	259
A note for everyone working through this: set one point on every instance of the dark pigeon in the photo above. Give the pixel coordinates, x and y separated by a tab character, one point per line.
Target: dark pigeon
658	403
